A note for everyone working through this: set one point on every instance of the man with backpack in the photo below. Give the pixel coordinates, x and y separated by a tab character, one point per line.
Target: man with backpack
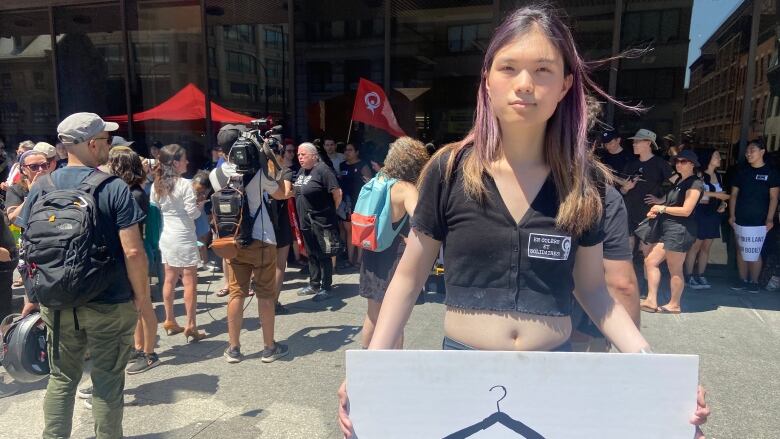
88	271
253	253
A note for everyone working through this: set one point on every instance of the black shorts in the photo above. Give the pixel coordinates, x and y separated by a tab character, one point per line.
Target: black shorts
677	236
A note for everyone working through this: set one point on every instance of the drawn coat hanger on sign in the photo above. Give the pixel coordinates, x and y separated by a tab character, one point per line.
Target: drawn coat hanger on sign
498	417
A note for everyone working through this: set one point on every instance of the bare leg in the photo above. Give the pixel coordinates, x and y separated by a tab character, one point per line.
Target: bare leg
755	269
742	267
148	320
265	308
171	277
281	266
675	260
235	314
369	323
652	262
691	256
190	281
138	336
704	256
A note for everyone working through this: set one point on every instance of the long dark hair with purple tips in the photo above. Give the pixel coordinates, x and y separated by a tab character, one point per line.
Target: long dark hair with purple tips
575	173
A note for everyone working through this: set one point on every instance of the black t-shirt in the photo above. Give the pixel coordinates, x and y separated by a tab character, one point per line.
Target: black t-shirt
116	210
616	244
351	179
616	162
676	198
753	197
141	198
652	174
279	207
15	195
313	196
492	262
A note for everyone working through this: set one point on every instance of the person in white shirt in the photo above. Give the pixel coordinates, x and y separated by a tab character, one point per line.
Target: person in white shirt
258	259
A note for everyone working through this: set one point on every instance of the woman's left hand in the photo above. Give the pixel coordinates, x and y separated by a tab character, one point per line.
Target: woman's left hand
654	211
702	412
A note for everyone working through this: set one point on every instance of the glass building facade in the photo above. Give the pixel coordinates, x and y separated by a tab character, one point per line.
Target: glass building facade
299	62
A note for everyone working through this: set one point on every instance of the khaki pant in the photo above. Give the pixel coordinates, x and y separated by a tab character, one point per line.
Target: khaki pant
107	331
258	258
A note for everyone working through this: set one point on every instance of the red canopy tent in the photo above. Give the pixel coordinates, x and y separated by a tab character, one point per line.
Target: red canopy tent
189	103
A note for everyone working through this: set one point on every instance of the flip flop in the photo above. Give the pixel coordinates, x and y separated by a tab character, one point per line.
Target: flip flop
649	309
664	310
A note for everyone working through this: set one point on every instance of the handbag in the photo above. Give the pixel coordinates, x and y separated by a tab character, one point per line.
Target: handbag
648	230
226	247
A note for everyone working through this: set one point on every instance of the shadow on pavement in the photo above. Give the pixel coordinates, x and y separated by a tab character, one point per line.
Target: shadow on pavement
164	391
317	339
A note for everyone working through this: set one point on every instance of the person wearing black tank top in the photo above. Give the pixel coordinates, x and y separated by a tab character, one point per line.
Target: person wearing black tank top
674	217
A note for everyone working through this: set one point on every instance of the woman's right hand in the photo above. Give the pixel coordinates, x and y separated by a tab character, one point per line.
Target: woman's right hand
344	423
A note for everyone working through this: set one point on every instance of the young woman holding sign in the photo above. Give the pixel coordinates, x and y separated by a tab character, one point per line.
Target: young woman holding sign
518	202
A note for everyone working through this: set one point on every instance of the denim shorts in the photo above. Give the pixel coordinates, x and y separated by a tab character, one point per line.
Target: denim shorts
449	344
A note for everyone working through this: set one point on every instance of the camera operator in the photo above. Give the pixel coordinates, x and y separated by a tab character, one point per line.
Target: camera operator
258	258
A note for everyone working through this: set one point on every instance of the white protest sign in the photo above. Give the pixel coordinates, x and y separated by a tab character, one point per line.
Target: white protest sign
750	240
543	395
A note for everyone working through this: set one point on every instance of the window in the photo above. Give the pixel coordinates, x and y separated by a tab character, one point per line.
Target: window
111	52
670	26
40	113
240	63
244	33
9	111
462	38
274	67
151	53
319	75
659	26
241	89
274	39
38	80
182	50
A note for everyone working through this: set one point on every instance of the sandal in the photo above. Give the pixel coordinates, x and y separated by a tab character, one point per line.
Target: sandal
647	308
223	292
664	310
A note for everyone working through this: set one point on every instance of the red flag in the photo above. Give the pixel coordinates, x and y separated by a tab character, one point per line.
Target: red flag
372	108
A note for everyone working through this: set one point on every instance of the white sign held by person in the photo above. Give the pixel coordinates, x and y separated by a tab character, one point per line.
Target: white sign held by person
532	395
750	240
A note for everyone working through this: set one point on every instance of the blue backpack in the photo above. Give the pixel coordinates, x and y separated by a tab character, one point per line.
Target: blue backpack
372	218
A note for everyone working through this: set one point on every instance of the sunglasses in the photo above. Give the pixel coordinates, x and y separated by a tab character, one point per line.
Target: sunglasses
37	167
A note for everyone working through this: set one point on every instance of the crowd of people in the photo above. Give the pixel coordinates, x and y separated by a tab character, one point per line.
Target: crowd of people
531	213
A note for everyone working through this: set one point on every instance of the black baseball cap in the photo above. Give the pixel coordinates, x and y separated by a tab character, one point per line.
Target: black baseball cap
228	135
609	135
689	155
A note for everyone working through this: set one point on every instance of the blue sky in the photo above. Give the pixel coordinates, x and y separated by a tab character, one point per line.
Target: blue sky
707	16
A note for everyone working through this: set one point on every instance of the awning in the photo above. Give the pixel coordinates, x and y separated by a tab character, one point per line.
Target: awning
189	103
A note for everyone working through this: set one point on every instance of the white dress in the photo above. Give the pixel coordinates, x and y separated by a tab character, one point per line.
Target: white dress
178	243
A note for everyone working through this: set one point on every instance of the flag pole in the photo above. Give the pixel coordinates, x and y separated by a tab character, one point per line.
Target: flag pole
350	129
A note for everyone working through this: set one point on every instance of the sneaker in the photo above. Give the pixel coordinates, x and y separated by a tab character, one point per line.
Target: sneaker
320	296
88	402
280	309
308	291
233	355
144	363
135	354
84	392
693	283
703	284
270	355
740	285
773	285
753	288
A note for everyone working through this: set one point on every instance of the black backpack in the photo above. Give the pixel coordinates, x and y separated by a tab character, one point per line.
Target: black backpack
68	260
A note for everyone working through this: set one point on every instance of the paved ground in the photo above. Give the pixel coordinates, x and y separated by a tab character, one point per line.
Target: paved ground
195	394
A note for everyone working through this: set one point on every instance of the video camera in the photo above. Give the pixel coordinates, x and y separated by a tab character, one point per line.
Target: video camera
253	149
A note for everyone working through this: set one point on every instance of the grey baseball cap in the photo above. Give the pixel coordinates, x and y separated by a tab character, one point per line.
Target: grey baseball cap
644	134
47	149
120	141
81	127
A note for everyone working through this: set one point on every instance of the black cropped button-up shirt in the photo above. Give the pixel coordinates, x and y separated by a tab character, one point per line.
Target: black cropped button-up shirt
491	262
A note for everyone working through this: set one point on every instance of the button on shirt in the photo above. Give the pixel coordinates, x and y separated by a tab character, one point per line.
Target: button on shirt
493	263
